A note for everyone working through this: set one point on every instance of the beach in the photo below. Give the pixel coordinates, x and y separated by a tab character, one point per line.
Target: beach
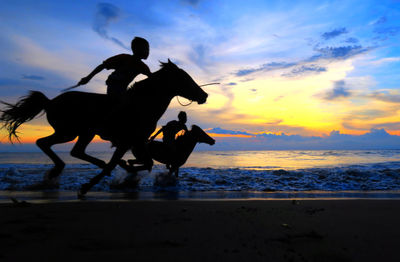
201	230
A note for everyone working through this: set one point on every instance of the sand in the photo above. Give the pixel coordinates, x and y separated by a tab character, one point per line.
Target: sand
309	230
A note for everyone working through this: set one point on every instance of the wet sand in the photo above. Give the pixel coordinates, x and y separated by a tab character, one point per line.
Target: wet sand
278	230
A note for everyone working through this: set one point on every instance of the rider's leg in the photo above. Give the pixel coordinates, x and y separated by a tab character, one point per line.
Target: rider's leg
45	144
78	150
141	152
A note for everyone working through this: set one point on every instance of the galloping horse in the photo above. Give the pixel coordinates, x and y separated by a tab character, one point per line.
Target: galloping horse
127	122
184	147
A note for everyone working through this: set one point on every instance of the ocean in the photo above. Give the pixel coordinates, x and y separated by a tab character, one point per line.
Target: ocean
219	174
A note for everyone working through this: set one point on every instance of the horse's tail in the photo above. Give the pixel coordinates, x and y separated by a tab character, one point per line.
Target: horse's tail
23	111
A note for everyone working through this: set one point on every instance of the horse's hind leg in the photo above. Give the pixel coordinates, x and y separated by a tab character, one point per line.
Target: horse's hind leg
115	159
45	144
78	151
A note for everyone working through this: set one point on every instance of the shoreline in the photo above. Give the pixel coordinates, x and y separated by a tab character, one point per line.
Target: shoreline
259	230
70	196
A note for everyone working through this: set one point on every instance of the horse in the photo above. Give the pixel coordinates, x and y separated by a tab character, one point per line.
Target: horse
184	147
126	122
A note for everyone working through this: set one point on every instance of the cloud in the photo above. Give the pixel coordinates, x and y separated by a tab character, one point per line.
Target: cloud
305	69
218	130
385	60
33	77
376	138
275	122
334	33
380	20
388	31
341	52
386	96
330	53
232	84
351	40
339	91
265	67
366	114
107	13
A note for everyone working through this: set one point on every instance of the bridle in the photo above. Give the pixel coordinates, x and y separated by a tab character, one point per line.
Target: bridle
191	101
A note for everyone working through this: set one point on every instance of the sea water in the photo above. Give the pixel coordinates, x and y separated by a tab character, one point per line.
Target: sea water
219	173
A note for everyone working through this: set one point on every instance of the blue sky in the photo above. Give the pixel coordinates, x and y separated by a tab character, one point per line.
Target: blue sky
296	67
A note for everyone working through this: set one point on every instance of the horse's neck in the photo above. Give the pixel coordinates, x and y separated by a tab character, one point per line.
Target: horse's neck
187	145
158	97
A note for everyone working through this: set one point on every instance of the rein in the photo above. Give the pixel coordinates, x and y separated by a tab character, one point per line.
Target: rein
191	101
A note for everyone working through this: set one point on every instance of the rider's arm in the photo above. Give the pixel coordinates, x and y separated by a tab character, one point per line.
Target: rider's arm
158	132
87	78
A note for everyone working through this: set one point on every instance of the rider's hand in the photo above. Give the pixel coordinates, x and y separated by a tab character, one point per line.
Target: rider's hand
84	81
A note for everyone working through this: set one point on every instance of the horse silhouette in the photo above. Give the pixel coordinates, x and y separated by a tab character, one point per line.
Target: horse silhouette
184	147
127	123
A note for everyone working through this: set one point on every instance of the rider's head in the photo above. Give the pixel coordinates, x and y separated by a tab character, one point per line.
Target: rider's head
140	47
182	117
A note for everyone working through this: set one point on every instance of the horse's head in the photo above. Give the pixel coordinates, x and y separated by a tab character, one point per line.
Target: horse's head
202	136
183	84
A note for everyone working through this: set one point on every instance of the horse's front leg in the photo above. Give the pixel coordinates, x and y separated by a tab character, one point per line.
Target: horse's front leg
115	159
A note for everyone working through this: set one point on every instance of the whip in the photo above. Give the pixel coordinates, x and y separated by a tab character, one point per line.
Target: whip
69	88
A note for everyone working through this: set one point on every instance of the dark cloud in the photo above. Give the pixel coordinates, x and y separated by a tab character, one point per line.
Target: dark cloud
376	138
275	122
247	80
265	67
32	77
395	126
367	114
107	13
231	84
341	52
334	33
330	53
351	40
218	130
339	91
386	97
305	69
253	90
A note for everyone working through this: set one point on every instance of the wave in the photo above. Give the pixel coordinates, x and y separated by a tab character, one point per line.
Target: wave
361	177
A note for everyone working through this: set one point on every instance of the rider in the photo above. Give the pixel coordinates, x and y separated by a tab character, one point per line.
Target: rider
170	130
126	68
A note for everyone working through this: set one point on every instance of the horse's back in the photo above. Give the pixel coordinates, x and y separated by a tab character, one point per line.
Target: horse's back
77	109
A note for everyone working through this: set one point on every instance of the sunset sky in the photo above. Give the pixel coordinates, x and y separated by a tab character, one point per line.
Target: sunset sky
295	67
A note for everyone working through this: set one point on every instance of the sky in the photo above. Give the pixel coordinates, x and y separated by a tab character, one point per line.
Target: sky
290	70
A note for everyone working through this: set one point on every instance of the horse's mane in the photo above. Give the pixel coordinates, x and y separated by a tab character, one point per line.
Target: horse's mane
142	84
187	133
184	136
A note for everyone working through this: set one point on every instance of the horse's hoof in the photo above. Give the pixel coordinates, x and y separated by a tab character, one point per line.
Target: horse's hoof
53	173
83	190
81	195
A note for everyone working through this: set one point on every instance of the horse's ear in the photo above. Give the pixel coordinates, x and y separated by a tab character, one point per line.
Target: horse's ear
169	61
